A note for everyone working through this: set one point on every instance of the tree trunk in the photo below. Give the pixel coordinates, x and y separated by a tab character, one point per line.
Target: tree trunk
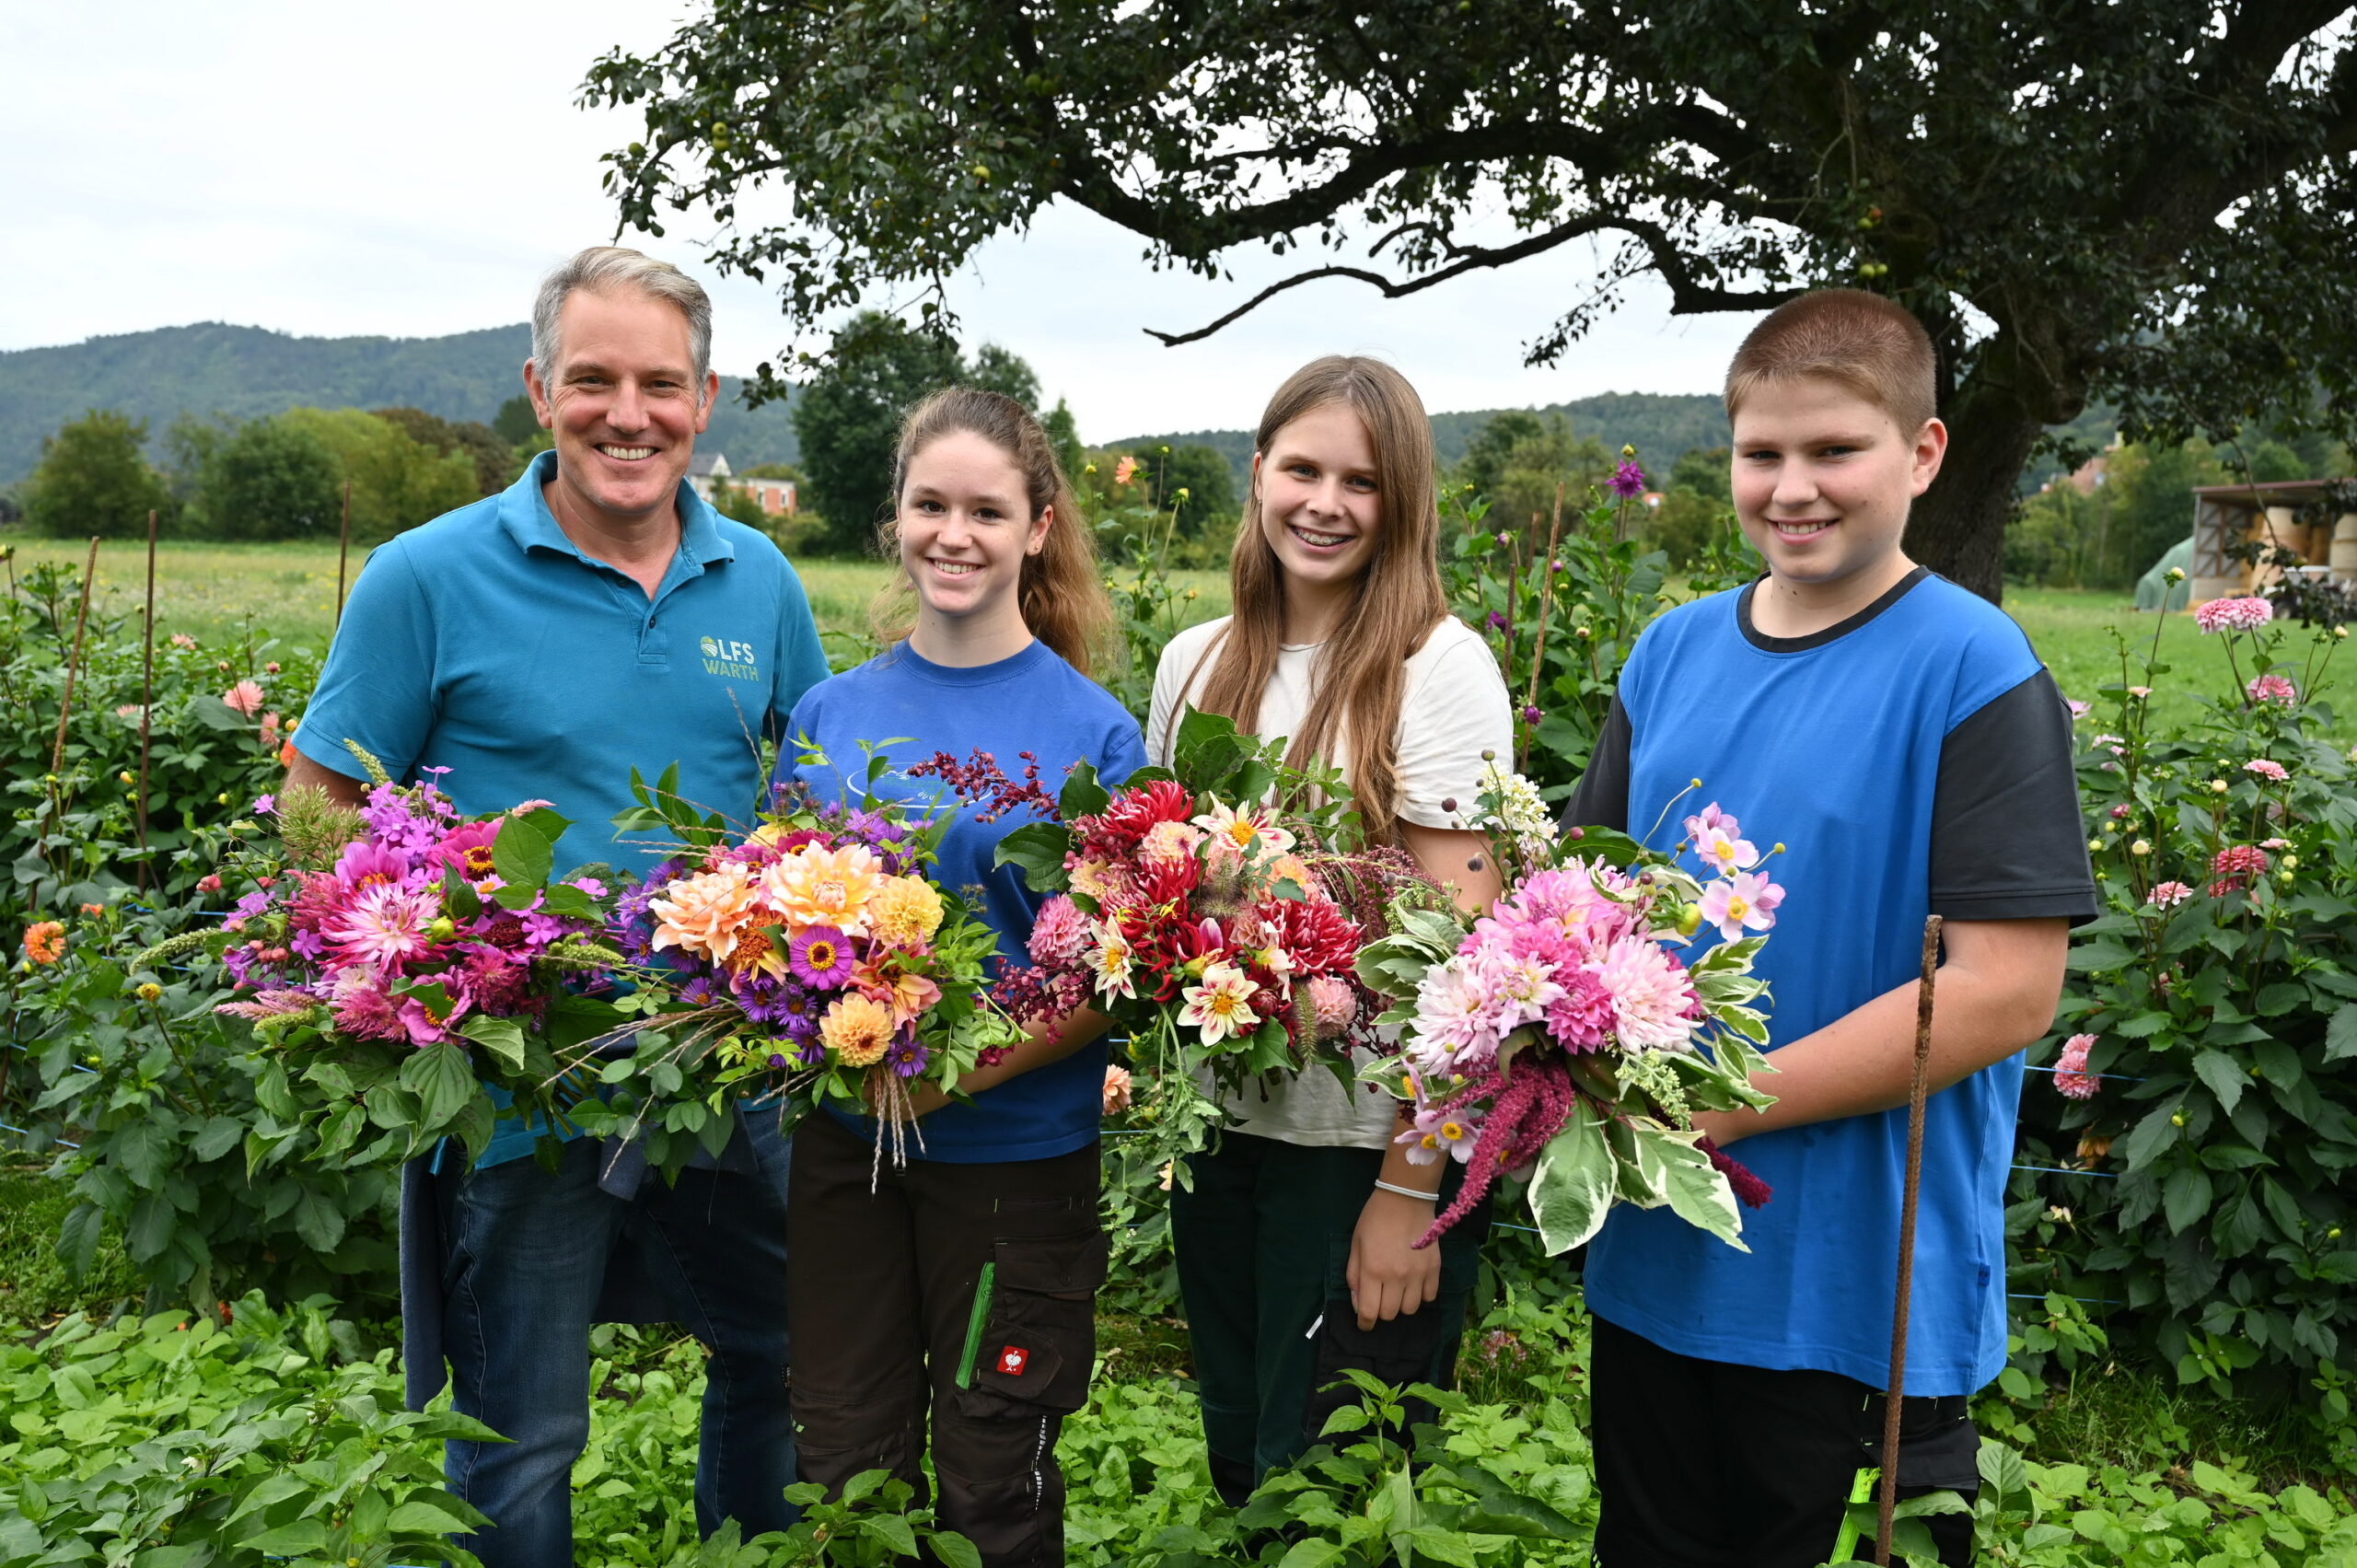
1994	417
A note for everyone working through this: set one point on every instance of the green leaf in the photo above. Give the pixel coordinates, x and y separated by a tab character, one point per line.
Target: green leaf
1311	1554
2340	1033
1696	1192
2149	1137
2185	1197
436	1516
78	1237
522	857
1038	849
503	1037
1082	795
954	1550
295	1539
443	1081
2223	1073
1571	1189
2099	957
317	1221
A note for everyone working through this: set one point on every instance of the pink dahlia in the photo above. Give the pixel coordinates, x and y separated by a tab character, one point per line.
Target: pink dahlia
1332	1003
1651	994
2234	866
1582	1019
1058	934
2071	1074
2244	614
246	697
2267	768
1133	811
2168	895
2271	689
384	926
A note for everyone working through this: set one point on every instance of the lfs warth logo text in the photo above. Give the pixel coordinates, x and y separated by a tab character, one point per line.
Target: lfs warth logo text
734	660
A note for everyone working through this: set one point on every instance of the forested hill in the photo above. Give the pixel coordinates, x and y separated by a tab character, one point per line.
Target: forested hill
1661	425
247	371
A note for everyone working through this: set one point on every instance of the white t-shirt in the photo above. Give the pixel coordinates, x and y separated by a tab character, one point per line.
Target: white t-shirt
1452	709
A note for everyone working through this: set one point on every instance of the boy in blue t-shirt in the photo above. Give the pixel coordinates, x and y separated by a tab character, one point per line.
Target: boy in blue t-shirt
1898	735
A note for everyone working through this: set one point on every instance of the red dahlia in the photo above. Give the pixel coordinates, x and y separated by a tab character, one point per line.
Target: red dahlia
1135	810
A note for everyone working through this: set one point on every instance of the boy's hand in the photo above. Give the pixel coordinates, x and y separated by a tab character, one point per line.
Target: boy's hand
1387	1274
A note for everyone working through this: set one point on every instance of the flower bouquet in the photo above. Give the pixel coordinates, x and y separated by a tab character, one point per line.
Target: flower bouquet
402	961
1571	1033
1216	914
810	958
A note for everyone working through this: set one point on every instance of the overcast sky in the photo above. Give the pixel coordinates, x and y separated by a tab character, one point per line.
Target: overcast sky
410	170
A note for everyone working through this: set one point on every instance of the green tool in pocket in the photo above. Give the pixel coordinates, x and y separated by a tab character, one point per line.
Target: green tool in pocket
974	1325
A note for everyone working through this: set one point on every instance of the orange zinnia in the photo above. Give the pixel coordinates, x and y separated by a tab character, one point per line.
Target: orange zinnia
45	942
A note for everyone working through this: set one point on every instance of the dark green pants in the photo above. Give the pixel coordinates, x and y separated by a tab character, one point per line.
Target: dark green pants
1263	1242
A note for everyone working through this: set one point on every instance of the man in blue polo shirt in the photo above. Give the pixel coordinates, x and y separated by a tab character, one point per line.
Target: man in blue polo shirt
537	644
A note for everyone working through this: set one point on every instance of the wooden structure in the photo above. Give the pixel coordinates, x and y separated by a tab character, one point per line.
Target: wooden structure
2226	514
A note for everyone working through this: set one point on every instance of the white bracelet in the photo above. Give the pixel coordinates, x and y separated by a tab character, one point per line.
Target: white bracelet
1381	1186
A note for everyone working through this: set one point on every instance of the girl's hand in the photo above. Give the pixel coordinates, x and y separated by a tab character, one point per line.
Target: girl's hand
1387	1274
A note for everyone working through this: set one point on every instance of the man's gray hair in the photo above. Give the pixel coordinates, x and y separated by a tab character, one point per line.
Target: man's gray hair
604	267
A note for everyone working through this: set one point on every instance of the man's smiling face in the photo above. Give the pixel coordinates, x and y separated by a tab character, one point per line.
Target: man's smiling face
624	402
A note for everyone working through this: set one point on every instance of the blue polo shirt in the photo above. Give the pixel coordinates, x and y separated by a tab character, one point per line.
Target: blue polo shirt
1036	702
485	642
488	644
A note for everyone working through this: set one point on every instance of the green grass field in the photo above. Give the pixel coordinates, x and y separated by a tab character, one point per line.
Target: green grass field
289	591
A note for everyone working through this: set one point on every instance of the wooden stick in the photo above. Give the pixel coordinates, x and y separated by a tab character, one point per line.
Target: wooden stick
81	622
146	697
1546	597
1917	1091
342	553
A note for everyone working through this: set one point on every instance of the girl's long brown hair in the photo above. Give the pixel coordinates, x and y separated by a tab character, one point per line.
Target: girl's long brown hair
1061	593
1361	671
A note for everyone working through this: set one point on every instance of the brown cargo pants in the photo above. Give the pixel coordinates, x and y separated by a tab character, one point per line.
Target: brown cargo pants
892	1324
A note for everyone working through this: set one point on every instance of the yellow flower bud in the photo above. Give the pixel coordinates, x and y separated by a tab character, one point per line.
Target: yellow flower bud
150	990
2094	847
124	777
2141	846
2290	863
1690	919
2217	786
2177	1118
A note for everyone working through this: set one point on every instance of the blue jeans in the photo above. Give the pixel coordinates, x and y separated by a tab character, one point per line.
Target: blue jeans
527	1254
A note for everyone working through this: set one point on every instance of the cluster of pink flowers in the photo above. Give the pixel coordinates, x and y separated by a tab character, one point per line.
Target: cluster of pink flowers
2245	614
1582	953
2271	690
2071	1074
2234	867
381	941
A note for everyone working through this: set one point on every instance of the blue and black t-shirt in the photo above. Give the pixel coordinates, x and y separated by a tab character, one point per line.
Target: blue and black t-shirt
1915	758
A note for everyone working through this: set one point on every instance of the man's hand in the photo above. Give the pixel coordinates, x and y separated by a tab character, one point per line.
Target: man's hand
1387	1275
342	789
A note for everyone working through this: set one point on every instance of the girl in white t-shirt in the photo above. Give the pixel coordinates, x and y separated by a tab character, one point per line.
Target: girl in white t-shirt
1294	1244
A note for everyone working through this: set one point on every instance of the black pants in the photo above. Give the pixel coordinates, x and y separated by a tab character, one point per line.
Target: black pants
1263	1243
1703	1464
883	1295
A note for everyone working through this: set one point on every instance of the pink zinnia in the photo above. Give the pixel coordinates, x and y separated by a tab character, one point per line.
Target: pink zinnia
2071	1074
2168	895
364	864
821	956
245	696
2273	688
2266	768
468	848
2245	614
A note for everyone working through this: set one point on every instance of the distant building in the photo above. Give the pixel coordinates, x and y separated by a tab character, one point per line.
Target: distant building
776	495
705	469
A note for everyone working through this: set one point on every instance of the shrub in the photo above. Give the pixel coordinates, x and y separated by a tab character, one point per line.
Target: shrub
2211	1062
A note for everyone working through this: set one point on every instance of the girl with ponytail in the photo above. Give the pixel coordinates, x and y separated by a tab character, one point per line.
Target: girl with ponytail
1294	1244
957	1293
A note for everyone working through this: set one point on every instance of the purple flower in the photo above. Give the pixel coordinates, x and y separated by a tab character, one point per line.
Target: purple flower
265	804
590	886
906	1055
777	1062
1627	480
820	957
1497	620
1530	715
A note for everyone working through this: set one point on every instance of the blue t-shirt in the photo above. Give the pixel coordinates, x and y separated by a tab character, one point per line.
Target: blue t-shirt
1915	758
485	642
1033	701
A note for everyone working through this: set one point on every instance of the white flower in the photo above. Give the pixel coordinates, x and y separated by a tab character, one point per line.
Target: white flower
1523	813
1222	1005
1108	956
1244	831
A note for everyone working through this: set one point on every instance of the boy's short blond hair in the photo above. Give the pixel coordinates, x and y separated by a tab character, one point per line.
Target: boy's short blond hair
1863	340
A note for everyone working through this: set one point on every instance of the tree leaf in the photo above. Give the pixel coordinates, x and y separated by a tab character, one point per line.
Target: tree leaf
2340	1033
522	857
443	1081
2223	1073
503	1037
